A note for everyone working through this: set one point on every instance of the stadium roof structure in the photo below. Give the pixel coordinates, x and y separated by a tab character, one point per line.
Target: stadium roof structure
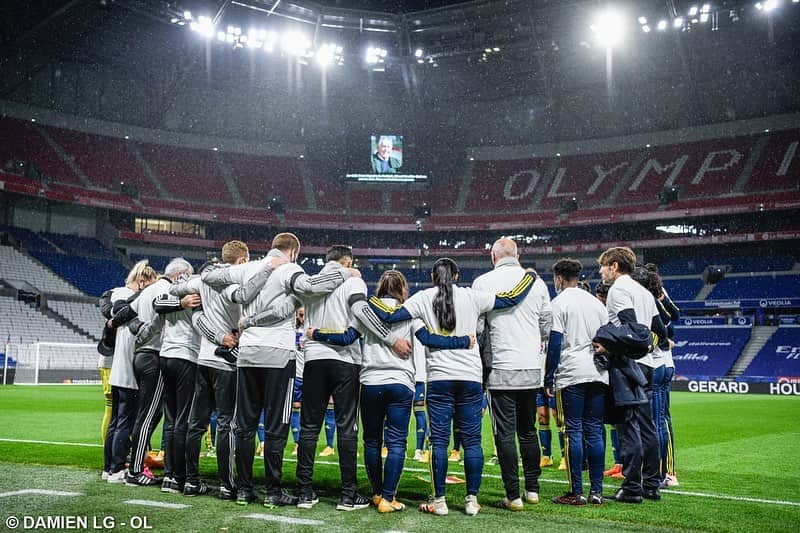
530	69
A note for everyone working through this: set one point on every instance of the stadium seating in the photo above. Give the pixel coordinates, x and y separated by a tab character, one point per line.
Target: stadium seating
329	194
24	324
771	286
708	351
86	316
711	176
28	239
187	173
780	356
740	264
366	201
772	171
588	178
76	245
683	289
16	265
493	189
106	161
699	170
20	141
260	178
92	275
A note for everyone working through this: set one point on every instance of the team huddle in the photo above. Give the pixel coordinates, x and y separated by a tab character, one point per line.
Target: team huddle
227	340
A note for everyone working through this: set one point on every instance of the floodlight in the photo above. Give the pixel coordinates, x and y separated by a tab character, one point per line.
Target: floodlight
703	17
330	54
662	25
642	20
706	8
495	49
608	28
375	55
693	11
678	22
204	26
646	28
488	50
769	5
295	43
187	15
418	53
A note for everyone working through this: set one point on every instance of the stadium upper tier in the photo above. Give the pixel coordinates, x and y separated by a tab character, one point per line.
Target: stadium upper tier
499	189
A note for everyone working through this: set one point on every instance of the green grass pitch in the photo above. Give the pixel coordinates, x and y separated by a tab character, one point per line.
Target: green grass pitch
738	461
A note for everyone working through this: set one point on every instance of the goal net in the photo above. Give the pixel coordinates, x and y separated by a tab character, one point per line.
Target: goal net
50	362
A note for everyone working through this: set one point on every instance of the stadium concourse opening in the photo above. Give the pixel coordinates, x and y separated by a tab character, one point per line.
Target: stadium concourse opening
487	246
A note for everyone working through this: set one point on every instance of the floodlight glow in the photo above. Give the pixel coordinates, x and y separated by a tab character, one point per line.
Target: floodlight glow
295	43
420	61
495	49
646	28
204	26
693	11
642	20
255	39
703	17
706	8
769	5
678	22
609	28
187	15
418	53
488	50
221	36
270	38
174	20
375	55
662	25
759	6
330	54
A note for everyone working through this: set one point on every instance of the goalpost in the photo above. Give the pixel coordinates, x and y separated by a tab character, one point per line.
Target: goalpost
50	362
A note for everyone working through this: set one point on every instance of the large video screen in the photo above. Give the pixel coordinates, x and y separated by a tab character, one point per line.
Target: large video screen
387	154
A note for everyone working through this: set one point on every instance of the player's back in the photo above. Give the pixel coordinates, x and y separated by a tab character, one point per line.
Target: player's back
332	313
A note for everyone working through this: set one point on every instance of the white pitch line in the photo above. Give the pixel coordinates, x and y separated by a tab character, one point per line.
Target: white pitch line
165	505
564	482
726	497
285	519
40	491
28	441
490	476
